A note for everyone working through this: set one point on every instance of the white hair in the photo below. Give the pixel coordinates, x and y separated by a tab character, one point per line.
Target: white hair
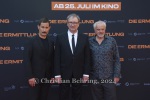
99	22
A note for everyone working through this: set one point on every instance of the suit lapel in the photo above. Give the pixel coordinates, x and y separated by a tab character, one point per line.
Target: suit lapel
49	45
79	41
67	43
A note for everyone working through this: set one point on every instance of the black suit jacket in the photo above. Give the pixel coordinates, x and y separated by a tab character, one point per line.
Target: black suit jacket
38	62
67	64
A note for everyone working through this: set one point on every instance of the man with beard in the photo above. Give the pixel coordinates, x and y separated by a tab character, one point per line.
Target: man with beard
39	59
105	64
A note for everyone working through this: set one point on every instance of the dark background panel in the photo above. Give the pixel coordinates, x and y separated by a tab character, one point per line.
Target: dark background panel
23	17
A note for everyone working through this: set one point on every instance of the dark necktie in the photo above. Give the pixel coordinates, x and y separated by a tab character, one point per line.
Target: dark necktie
73	44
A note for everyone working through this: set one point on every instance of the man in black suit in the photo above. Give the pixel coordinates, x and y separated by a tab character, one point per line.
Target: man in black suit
39	59
72	56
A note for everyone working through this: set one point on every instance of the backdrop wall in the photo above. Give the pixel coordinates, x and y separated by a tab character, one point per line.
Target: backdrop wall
128	21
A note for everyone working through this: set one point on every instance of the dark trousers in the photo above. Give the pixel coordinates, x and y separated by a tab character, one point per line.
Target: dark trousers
103	91
39	92
70	91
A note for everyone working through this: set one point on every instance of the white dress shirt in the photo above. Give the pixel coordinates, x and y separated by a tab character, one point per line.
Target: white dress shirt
70	38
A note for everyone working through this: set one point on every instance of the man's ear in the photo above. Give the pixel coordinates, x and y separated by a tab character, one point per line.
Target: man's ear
38	26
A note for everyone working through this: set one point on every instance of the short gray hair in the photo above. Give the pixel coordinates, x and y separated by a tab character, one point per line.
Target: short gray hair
99	22
73	15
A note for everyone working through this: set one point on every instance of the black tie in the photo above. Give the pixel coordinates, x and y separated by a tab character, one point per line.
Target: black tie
73	44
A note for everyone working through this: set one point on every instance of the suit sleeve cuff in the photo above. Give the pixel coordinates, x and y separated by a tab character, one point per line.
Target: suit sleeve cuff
57	76
86	75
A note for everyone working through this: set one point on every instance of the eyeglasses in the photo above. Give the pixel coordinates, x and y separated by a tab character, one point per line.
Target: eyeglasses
73	23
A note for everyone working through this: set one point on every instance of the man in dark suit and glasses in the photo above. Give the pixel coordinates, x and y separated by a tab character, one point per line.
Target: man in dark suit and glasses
72	56
39	61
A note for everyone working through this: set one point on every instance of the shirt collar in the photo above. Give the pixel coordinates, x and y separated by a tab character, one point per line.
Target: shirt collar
70	34
105	37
